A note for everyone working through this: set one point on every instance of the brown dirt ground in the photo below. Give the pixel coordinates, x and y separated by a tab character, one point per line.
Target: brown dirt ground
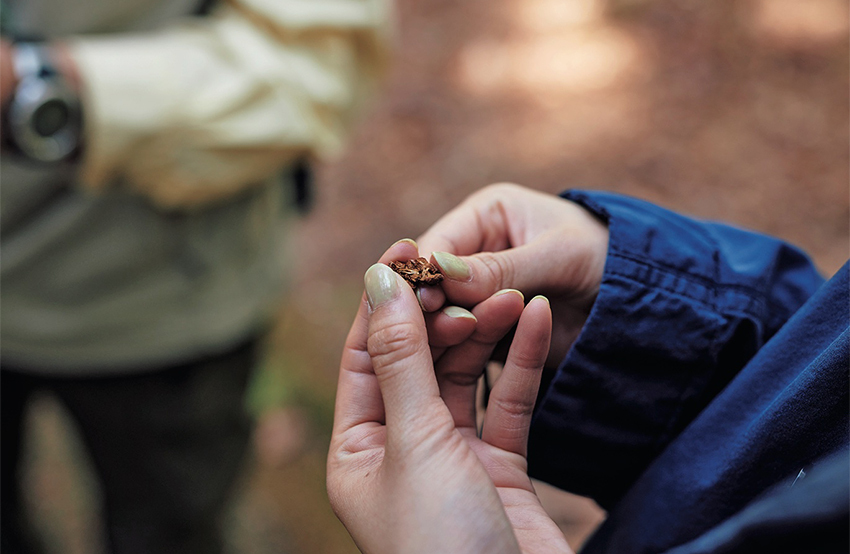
736	111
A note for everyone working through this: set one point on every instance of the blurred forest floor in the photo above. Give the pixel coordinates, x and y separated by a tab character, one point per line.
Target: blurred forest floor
735	111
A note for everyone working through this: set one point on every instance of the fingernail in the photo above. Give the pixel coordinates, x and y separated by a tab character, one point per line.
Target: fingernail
458	312
510	291
408	241
381	285
452	266
540	296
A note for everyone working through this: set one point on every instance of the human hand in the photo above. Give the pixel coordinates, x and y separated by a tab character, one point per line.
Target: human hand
62	61
406	469
507	236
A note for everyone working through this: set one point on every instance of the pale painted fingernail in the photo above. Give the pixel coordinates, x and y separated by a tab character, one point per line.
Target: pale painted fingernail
458	312
510	291
381	285
541	297
408	241
452	266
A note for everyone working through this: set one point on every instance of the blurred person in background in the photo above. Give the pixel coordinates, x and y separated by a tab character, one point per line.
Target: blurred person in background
149	152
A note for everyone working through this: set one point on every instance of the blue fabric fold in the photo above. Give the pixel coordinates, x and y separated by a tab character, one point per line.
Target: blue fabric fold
707	372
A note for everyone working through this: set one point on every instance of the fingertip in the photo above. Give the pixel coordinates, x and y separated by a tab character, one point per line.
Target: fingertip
507	301
473	279
430	298
410	242
456	312
453	267
382	285
536	319
450	326
541	303
542	300
512	292
403	249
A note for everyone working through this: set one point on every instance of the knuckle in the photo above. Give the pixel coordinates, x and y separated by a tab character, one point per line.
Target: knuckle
393	345
461	378
513	407
502	187
499	268
450	243
493	191
528	361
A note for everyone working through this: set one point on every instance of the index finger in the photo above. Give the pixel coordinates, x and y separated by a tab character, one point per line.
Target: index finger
358	397
476	224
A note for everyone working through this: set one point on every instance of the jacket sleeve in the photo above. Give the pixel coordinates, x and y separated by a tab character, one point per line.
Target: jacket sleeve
683	305
209	105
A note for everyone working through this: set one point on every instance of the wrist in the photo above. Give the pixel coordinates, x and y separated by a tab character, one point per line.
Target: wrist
42	120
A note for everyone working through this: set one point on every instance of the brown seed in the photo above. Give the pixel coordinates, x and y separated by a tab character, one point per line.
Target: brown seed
417	271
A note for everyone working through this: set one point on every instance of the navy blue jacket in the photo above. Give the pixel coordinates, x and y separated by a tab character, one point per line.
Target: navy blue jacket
705	402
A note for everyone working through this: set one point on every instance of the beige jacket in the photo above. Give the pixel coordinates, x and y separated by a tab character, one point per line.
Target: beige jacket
168	241
200	109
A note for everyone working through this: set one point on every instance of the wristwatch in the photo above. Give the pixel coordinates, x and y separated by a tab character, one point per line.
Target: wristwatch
44	118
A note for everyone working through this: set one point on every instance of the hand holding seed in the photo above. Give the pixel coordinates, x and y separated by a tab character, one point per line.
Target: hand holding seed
417	271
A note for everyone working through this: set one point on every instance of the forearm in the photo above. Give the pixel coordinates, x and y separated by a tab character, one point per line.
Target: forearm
201	109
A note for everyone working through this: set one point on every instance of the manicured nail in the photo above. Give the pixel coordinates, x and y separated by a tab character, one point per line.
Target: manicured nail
458	312
510	291
452	266
540	296
381	285
408	241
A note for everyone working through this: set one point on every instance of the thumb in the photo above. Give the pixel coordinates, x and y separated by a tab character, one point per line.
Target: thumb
397	344
472	279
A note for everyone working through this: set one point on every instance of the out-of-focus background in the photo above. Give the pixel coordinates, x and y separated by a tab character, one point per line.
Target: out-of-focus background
733	110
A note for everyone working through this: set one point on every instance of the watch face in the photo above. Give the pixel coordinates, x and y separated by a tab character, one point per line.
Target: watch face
49	118
44	119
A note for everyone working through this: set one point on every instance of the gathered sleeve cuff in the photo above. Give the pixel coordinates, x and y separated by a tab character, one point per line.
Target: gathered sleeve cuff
682	306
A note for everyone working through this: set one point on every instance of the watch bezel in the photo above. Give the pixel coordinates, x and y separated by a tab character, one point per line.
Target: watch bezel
32	93
38	85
